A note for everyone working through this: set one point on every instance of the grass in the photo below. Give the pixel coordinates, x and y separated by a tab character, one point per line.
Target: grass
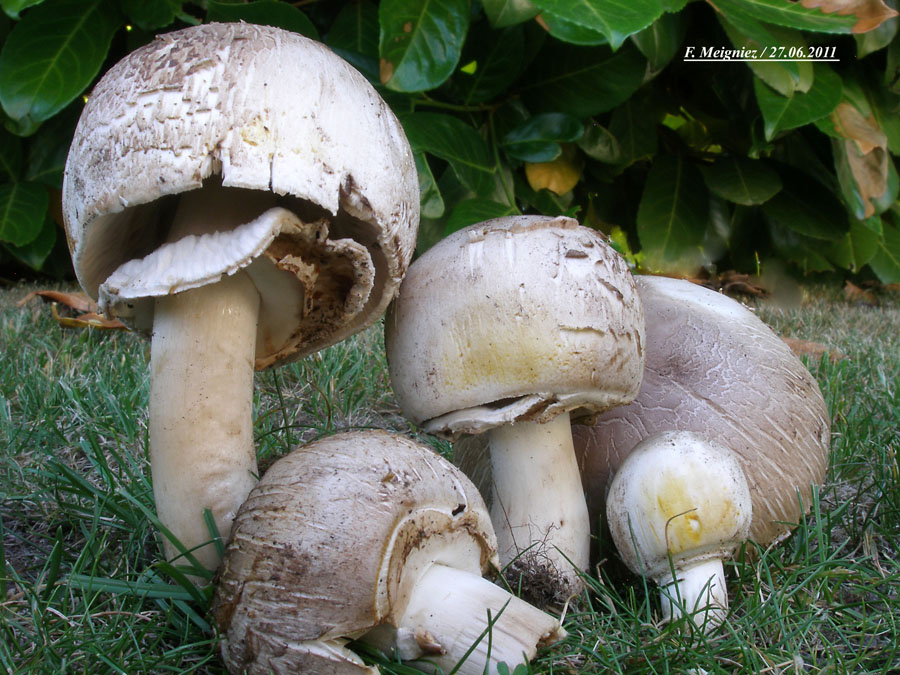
83	589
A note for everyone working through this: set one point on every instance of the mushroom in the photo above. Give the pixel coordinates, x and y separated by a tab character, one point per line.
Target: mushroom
512	327
714	368
373	537
246	197
677	507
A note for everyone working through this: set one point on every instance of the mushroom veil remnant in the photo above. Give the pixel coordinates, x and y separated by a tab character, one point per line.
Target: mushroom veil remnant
511	327
714	368
244	196
677	507
368	536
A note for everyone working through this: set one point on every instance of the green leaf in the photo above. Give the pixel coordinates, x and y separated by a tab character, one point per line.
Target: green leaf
876	39
633	125
355	29
470	211
782	13
616	19
11	156
429	194
504	13
354	37
538	139
23	207
453	140
570	32
49	147
420	41
742	180
35	253
264	13
661	41
781	113
856	248
807	207
886	261
807	253
51	56
673	211
582	81
599	143
785	77
494	61
542	201
13	7
151	14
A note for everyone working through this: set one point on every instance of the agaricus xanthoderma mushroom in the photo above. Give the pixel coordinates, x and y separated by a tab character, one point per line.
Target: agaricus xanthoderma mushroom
368	536
678	506
511	327
713	367
244	195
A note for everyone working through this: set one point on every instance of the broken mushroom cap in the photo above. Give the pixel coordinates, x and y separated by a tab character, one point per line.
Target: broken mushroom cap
713	367
510	327
244	195
678	506
259	109
367	536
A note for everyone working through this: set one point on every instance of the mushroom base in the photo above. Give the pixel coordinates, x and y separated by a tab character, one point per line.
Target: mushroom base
697	591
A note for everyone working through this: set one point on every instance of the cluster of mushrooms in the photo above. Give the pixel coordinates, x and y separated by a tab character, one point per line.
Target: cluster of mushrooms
245	198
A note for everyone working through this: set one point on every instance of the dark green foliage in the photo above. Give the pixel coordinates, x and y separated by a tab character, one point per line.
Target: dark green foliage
687	164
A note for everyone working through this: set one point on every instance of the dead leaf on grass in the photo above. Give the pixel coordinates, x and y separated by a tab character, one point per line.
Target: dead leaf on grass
815	350
87	311
869	13
857	295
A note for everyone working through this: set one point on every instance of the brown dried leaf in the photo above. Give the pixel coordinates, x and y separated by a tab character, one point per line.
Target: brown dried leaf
866	150
87	320
731	282
857	295
869	13
80	302
88	312
815	350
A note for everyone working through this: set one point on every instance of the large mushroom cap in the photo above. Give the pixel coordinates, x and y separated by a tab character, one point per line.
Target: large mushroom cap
327	544
518	318
258	109
713	367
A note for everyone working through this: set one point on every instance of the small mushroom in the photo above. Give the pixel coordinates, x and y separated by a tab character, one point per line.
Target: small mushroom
714	368
246	197
511	327
368	536
678	506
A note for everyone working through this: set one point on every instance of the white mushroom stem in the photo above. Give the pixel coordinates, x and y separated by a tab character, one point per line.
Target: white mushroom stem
449	611
538	508
698	590
201	410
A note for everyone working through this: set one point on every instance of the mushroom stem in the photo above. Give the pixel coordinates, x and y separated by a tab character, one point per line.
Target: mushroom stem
449	611
538	508
201	410
697	590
